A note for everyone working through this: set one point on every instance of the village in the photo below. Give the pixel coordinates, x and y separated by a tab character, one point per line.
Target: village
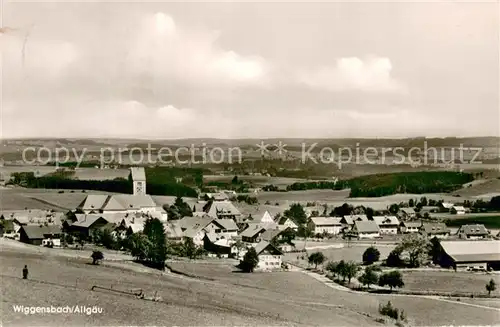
216	228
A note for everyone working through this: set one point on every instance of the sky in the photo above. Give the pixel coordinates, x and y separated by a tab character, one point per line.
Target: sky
249	70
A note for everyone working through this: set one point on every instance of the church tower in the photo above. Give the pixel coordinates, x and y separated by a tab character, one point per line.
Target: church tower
138	176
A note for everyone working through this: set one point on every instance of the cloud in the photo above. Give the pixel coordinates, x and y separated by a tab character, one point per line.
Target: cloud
352	73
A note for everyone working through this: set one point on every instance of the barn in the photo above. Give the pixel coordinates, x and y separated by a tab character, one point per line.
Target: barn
470	255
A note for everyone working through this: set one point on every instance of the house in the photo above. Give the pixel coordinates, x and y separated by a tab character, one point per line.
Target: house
365	229
138	176
85	224
388	225
470	255
445	206
406	227
439	230
270	258
281	238
252	233
173	230
220	247
197	227
49	235
473	232
457	210
229	229
222	210
348	221
7	229
429	209
286	222
407	213
325	225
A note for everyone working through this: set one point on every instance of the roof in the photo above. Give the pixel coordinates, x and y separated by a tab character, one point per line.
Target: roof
326	221
270	234
136	227
472	251
459	208
408	211
263	245
138	173
472	230
447	205
117	202
435	228
35	216
366	226
411	224
172	229
386	220
284	219
93	202
86	221
352	218
252	230
217	208
227	224
190	226
39	232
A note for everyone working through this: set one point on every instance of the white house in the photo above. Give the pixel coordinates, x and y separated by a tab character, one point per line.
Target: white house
286	222
409	227
458	210
328	225
366	229
270	258
388	225
472	232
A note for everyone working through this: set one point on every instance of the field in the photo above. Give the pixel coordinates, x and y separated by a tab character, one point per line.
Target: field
352	252
443	281
20	198
421	311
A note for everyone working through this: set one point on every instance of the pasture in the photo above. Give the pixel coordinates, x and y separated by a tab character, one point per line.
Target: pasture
448	281
297	286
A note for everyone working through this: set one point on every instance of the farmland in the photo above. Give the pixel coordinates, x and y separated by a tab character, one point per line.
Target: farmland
444	281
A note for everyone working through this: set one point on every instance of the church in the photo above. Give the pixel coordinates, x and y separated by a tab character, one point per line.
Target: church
137	202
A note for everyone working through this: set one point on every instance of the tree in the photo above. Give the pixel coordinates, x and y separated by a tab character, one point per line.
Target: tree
369	277
296	213
316	258
155	232
411	203
107	239
394	258
369	212
371	255
435	250
341	269
139	246
392	279
235	180
350	270
416	247
96	257
190	249
491	286
394	208
250	261
332	267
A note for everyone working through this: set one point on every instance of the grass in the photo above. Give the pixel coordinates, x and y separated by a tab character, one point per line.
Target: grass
491	221
443	281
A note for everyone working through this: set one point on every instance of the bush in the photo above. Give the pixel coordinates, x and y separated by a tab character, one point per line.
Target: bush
392	279
371	255
389	310
96	257
250	261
